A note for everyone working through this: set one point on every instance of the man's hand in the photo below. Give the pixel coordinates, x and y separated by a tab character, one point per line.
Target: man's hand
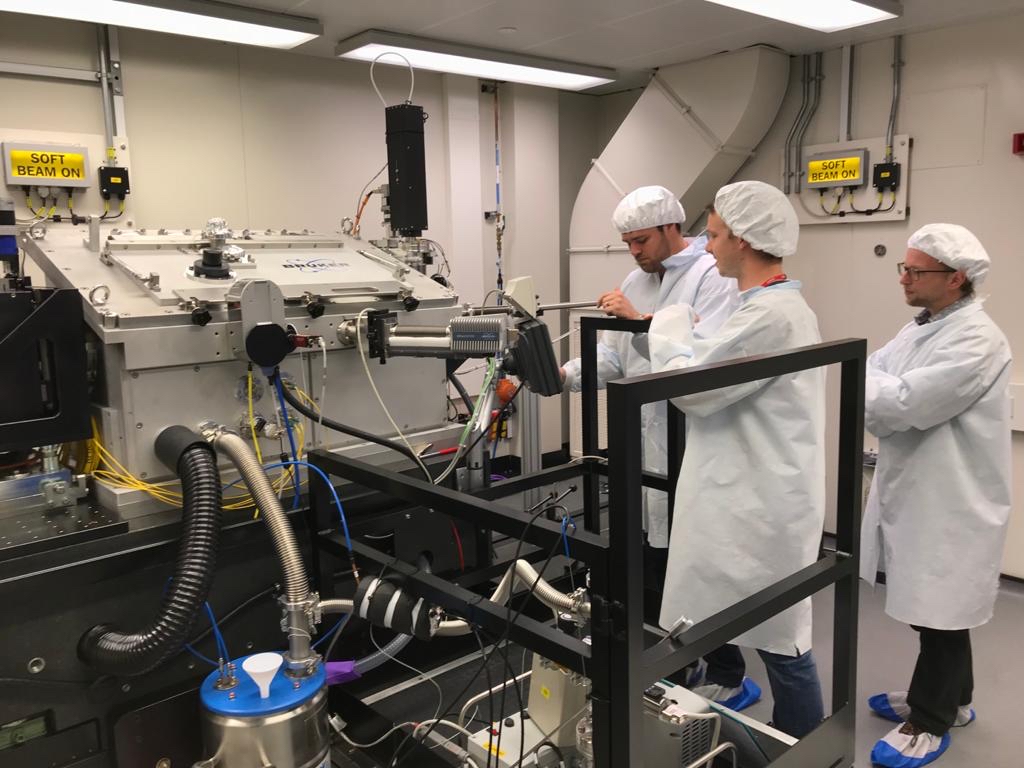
616	304
561	373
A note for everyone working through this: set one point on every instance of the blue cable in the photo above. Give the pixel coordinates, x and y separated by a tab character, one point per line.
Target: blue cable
291	435
566	522
200	656
334	493
341	512
222	647
329	632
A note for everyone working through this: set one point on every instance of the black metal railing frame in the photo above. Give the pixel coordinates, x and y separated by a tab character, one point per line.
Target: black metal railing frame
617	660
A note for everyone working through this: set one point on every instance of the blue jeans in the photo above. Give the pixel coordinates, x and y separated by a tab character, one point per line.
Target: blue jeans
794	681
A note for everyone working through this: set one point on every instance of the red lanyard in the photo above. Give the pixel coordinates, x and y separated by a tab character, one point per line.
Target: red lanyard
780	278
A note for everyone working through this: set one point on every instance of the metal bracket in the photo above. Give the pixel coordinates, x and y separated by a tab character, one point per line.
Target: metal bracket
115	78
60	493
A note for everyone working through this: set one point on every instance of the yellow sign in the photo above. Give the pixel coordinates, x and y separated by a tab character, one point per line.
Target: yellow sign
44	167
835	169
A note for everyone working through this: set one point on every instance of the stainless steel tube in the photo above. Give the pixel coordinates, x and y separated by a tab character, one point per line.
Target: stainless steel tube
339	605
296	584
527	575
565	305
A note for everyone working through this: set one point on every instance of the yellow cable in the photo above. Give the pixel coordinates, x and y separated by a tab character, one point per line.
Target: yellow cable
252	423
307	399
117	476
32	208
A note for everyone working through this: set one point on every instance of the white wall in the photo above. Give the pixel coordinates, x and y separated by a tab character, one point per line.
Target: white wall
273	139
961	171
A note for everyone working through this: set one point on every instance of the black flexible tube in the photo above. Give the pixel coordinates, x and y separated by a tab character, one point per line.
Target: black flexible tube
119	653
461	389
337	426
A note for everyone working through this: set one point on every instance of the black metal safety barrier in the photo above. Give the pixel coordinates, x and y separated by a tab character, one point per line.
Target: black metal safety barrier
618	662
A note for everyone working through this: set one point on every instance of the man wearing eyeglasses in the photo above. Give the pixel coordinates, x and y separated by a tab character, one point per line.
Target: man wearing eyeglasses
937	399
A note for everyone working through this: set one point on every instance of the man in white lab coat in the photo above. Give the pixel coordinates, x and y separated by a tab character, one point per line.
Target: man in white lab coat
669	271
750	503
937	398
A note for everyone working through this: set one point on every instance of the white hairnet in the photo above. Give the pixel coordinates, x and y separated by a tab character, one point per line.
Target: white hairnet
647	207
760	214
954	246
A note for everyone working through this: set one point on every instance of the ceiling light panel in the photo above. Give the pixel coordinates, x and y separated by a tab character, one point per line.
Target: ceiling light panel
822	15
208	20
439	56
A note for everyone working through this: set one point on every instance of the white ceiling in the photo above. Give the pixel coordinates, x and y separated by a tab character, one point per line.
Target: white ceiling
629	35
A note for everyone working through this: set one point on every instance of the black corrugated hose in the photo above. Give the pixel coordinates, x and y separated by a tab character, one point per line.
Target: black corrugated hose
345	429
119	653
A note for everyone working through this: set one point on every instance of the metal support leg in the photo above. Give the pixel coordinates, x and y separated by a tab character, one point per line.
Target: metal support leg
620	720
588	375
529	442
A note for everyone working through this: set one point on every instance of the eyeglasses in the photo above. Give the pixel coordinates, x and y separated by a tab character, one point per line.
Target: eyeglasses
915	273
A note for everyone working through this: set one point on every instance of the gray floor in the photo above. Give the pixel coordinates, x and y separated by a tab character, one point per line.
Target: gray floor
887	650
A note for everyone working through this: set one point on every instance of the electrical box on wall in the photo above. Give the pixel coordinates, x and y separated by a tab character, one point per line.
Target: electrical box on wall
886	176
853	182
45	165
114	181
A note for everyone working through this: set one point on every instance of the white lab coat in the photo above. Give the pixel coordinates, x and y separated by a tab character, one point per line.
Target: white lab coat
937	398
692	278
750	503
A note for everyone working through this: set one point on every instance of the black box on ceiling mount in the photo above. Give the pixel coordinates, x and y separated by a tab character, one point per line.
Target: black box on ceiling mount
407	174
886	176
114	181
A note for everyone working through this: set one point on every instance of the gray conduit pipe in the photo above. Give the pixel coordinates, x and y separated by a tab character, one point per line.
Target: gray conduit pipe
897	66
787	180
816	78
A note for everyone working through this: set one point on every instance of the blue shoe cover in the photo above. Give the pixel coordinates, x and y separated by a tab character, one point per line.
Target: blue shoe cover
750	693
881	706
695	674
898	750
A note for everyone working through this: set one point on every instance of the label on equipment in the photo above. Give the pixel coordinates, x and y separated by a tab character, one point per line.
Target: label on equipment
837	169
45	165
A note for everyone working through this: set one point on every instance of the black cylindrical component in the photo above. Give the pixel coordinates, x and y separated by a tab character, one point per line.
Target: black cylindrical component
173	442
212	264
267	344
407	169
386	605
112	651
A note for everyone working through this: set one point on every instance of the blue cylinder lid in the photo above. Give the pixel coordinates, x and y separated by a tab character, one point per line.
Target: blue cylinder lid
244	699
